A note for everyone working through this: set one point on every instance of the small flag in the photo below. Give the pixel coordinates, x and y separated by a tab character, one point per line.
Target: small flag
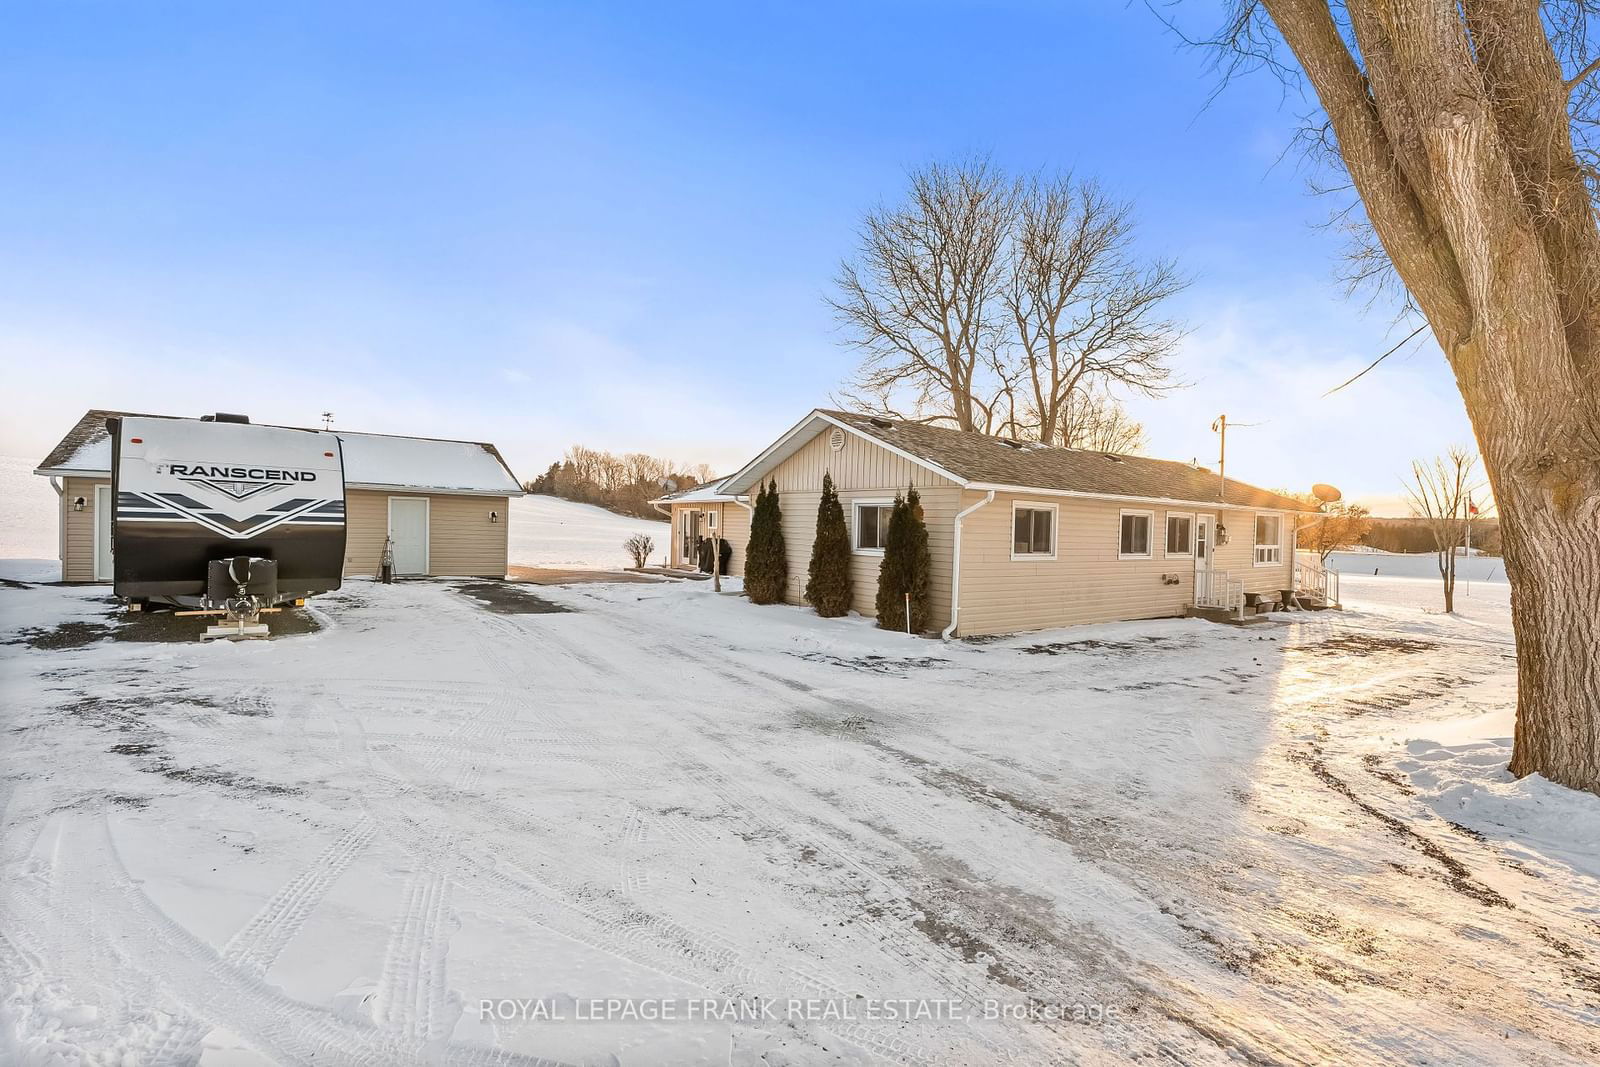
1472	509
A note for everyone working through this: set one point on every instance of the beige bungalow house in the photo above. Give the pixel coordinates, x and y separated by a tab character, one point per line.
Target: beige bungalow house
445	503
1023	536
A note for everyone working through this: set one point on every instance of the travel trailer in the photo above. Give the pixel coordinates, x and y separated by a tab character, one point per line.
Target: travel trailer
224	518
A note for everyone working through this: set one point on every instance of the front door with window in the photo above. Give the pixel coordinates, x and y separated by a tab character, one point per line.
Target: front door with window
408	531
1204	526
688	535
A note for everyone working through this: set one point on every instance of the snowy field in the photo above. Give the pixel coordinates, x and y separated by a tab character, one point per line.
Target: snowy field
28	519
1418	565
1165	840
547	531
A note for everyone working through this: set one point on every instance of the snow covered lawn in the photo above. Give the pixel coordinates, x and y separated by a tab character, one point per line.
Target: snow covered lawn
1285	844
547	531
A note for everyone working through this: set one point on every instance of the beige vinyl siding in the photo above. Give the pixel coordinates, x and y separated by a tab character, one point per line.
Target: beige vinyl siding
1088	582
733	523
1238	556
461	539
860	464
77	529
862	471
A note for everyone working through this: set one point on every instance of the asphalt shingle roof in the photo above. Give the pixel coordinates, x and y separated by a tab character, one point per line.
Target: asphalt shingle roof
976	457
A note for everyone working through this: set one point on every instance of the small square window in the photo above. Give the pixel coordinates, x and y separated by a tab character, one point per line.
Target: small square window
872	526
1033	532
1135	540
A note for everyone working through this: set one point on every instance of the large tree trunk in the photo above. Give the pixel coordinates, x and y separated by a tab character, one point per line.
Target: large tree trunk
1538	449
1552	556
1455	130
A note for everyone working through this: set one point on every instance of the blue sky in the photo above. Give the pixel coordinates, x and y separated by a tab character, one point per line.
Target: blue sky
616	224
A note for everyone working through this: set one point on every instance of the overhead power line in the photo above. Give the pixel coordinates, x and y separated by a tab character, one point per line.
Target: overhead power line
1377	361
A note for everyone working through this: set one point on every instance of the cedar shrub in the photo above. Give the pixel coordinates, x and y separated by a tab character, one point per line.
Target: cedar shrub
766	564
905	567
828	578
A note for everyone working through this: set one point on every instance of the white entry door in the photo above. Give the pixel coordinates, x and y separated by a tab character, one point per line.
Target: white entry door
408	530
102	533
1204	531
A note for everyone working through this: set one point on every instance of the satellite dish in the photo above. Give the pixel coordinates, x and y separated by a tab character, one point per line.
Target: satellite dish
1326	493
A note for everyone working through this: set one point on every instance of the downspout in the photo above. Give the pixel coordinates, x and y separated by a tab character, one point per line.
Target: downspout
955	566
60	486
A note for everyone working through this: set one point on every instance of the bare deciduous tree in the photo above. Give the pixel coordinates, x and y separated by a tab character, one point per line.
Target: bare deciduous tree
992	305
1092	419
1438	493
1467	128
1335	526
922	299
1084	311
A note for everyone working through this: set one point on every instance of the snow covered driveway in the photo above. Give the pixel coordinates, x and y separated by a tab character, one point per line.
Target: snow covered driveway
769	838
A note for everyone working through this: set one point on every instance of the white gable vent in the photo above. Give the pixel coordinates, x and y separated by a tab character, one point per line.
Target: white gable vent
836	440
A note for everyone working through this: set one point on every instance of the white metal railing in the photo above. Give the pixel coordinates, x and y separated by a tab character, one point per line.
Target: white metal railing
1315	579
1216	589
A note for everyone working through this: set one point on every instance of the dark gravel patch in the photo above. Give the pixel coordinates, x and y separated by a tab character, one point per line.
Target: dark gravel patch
1366	645
63	635
510	598
150	626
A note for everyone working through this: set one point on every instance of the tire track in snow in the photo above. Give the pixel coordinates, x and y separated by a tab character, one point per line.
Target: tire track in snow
216	990
258	943
911	949
1261	1044
414	997
581	910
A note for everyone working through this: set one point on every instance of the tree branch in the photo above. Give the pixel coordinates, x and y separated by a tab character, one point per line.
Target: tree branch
1577	79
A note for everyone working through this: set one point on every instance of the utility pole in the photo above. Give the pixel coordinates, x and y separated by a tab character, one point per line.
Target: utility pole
1221	427
327	420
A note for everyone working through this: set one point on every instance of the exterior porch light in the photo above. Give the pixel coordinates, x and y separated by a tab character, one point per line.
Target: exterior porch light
77	503
494	516
1222	532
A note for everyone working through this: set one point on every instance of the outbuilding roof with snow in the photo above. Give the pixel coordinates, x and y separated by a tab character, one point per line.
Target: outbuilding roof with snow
371	460
704	493
979	461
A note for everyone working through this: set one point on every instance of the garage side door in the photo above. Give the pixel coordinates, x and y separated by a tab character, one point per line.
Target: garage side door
408	529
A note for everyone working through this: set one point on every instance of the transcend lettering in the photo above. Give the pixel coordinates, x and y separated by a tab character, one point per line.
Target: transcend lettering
247	474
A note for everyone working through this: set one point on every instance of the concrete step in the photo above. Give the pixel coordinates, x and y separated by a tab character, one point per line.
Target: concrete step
1230	618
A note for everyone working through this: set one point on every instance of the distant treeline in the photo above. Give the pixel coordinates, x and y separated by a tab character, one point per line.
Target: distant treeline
1413	535
625	484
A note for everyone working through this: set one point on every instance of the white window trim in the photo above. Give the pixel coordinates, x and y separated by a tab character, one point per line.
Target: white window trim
1165	538
711	519
855	524
1150	541
1255	545
1055	531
